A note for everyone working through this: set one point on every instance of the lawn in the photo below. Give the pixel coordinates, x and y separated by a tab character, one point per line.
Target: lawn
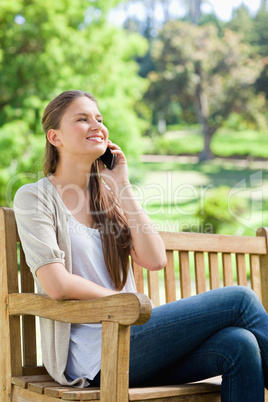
176	196
226	142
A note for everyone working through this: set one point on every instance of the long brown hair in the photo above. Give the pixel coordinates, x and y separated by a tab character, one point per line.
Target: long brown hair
106	213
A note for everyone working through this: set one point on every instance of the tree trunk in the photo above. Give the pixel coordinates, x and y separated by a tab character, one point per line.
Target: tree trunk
195	11
165	7
264	5
206	154
202	111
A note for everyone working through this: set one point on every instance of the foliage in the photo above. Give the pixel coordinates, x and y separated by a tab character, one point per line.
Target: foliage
177	145
215	211
254	32
195	66
47	47
233	140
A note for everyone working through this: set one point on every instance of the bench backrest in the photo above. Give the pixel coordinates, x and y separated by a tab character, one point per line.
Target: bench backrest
199	262
196	263
17	333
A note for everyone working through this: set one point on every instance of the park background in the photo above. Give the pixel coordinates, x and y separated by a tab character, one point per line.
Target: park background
182	91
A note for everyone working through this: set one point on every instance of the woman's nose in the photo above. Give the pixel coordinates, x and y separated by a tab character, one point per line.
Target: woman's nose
95	125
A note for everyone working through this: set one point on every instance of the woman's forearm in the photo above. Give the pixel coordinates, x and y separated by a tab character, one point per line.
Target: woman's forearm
147	243
59	284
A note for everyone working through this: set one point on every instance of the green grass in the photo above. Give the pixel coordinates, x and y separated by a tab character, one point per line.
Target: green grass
245	143
171	194
225	142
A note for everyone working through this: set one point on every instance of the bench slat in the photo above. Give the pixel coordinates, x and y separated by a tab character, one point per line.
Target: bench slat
28	322
39	387
81	395
207	397
185	277
138	276
170	281
241	270
153	287
213	243
228	279
23	381
56	392
200	274
214	275
255	275
137	394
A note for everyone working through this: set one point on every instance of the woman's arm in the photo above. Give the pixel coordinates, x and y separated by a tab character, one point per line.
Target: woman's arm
59	284
148	248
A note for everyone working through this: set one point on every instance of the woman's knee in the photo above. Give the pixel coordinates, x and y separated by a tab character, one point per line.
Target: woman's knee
244	297
241	351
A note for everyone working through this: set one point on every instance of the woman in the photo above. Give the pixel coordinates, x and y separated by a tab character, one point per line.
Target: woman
79	224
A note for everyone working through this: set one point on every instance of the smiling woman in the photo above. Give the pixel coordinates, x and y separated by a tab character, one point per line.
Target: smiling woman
79	225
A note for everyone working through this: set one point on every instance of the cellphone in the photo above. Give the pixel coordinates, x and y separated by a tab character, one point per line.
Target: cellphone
108	158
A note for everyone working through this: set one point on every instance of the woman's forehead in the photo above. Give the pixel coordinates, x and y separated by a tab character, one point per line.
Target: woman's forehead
83	105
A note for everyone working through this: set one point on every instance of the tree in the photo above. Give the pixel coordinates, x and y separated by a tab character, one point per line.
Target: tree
195	11
195	66
254	32
261	42
50	46
242	23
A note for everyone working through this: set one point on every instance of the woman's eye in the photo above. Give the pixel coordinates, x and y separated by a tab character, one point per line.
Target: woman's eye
82	119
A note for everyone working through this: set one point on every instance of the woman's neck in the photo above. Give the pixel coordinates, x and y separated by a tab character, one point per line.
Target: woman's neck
76	175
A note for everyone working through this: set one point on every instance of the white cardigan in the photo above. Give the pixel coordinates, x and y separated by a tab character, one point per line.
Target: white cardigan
42	221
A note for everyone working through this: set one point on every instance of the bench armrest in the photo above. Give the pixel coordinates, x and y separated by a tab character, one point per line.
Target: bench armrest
124	308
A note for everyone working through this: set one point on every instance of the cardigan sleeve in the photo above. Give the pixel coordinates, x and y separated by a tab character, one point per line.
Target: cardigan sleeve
37	228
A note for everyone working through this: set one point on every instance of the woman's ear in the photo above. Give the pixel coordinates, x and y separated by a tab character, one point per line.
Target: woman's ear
53	138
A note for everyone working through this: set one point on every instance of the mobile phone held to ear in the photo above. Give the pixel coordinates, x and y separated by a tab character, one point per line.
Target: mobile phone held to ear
108	158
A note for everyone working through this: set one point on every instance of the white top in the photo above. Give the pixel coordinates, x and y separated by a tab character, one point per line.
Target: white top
84	359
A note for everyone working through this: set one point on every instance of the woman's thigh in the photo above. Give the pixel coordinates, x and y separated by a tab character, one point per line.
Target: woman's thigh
177	329
231	352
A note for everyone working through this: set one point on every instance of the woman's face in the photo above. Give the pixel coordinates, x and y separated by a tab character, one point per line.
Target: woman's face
81	129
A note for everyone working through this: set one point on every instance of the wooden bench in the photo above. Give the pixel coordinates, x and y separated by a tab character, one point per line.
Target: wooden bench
218	257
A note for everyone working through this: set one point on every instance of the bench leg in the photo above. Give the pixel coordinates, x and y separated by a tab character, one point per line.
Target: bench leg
114	362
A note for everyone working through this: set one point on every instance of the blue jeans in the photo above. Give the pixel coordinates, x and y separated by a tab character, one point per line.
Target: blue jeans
220	332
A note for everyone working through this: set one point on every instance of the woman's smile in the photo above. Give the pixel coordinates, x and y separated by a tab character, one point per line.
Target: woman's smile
96	138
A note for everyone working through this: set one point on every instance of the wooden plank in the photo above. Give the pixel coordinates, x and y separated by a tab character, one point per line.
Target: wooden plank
34	370
123	363
10	233
28	322
255	275
23	381
39	387
114	362
228	279
15	346
24	395
263	233
241	270
139	394
170	281
125	308
7	261
200	274
214	275
67	392
153	287
213	243
138	276
209	397
81	394
185	277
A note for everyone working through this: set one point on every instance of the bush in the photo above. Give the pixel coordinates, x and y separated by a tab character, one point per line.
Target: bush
216	210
